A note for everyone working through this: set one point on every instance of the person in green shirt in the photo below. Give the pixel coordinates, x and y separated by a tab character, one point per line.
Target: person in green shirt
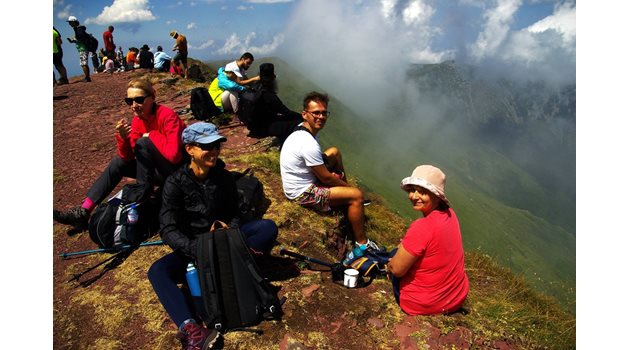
57	58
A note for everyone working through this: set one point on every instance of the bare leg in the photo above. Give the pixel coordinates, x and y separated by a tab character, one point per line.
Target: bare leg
353	197
334	163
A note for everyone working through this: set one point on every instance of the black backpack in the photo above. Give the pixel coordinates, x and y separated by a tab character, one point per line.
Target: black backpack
251	195
109	226
92	43
247	104
233	292
195	73
201	104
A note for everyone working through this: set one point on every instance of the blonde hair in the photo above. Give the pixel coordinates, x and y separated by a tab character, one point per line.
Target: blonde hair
142	84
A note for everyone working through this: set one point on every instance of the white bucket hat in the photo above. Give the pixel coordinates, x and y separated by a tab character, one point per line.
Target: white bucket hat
429	177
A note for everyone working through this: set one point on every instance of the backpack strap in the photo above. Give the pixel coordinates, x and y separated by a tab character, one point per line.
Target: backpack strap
207	280
225	279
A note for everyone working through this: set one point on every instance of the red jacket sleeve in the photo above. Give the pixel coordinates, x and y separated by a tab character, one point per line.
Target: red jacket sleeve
125	146
168	136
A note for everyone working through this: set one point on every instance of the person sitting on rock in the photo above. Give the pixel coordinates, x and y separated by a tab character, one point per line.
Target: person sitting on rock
427	268
224	91
194	196
316	179
268	115
149	150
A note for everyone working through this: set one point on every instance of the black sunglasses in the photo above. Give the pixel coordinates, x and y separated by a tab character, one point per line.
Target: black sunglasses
139	100
208	146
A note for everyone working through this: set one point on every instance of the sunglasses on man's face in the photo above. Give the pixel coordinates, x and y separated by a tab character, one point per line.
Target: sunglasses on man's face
208	146
139	100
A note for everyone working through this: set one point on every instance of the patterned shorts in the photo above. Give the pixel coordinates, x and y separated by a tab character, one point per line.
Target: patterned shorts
83	57
315	197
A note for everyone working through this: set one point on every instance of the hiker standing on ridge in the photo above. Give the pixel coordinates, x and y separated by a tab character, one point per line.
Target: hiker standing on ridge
181	46
82	40
194	196
58	58
427	270
316	179
108	42
149	150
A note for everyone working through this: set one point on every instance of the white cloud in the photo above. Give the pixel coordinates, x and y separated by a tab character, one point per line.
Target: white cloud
65	12
417	12
387	8
497	27
191	25
562	21
124	11
171	21
224	8
269	48
242	8
205	45
235	46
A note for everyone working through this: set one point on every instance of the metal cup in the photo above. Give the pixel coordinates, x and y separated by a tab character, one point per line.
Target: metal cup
350	277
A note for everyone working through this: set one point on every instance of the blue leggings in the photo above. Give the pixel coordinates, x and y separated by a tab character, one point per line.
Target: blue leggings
170	270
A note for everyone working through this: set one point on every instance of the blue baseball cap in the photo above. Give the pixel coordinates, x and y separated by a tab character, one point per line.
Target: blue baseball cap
202	133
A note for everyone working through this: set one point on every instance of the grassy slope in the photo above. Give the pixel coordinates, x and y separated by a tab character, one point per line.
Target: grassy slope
480	181
501	304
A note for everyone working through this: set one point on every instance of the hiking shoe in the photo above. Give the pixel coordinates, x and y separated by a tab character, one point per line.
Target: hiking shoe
86	80
62	81
197	337
370	245
76	217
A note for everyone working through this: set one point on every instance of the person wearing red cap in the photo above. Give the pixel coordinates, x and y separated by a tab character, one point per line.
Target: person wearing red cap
427	268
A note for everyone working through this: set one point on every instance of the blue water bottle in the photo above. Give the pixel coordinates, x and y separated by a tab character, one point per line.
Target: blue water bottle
192	277
356	253
132	215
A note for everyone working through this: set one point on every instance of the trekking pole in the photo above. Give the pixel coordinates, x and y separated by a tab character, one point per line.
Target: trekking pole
336	269
283	251
108	250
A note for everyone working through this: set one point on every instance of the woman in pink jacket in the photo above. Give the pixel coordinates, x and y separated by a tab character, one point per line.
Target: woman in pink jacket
149	150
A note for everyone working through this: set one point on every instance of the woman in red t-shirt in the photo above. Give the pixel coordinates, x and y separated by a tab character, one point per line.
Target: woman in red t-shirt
427	270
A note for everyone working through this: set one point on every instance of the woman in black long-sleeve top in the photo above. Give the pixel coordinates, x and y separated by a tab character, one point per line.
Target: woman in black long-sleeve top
194	197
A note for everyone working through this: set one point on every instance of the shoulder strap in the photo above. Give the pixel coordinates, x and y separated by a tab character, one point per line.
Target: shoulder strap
207	280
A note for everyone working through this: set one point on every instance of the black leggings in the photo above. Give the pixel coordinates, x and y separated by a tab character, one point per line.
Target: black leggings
148	167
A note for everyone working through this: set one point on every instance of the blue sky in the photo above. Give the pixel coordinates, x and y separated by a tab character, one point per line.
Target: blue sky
521	32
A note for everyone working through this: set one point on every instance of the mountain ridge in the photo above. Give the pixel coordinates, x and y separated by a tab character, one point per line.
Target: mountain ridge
120	310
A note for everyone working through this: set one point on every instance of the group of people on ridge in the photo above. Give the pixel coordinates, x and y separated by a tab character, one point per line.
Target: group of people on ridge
182	163
110	60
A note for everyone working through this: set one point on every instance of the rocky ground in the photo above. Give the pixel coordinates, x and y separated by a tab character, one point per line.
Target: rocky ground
120	311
